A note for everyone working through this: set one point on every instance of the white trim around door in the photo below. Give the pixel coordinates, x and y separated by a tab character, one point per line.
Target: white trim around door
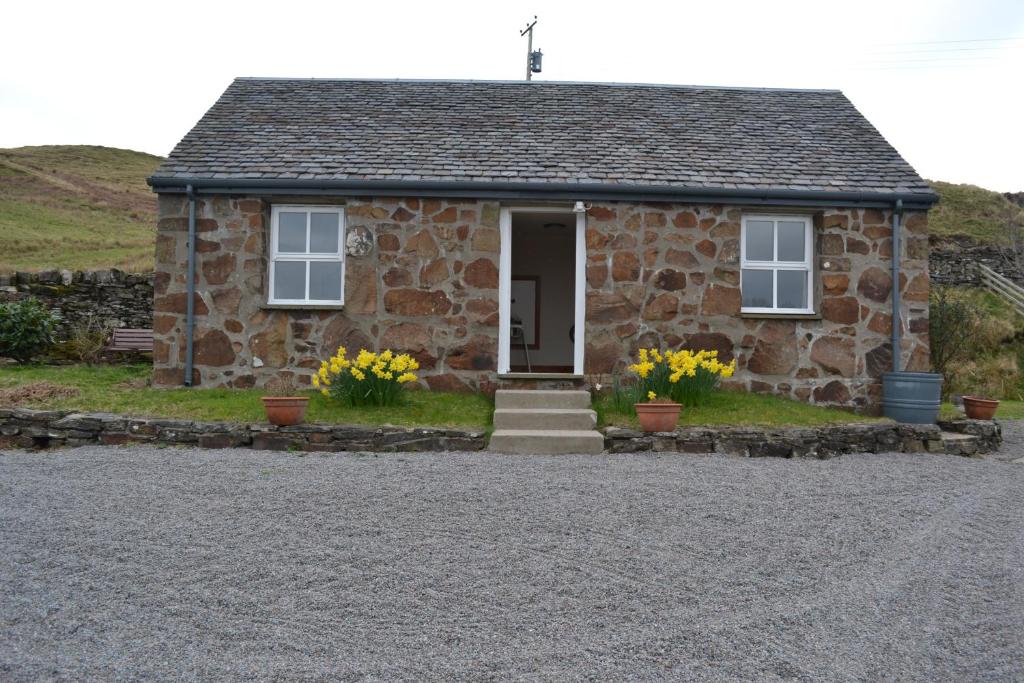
505	286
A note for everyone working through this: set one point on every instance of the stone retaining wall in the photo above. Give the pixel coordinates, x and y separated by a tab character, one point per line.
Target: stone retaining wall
112	297
24	428
817	442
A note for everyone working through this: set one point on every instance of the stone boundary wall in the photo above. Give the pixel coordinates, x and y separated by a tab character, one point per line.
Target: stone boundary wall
818	442
957	266
112	297
25	428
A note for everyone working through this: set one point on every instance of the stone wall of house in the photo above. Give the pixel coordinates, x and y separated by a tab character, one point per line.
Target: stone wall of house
422	276
111	298
668	275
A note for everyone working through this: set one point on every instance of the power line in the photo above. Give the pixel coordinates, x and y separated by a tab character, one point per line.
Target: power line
935	59
912	67
946	42
952	49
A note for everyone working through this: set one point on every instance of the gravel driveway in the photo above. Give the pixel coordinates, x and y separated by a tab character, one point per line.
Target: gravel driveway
147	563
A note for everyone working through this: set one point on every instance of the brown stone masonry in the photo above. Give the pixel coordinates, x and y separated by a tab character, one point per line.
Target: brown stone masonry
428	285
657	275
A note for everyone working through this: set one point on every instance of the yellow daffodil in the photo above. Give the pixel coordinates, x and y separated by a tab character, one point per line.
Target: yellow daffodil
384	372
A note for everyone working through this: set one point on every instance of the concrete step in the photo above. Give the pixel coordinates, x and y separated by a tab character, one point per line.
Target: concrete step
544	418
541	398
959	444
546	441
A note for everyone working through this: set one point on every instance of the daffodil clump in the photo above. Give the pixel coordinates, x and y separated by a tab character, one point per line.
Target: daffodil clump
686	377
374	379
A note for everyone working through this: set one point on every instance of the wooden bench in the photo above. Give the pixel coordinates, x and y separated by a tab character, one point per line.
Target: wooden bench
128	340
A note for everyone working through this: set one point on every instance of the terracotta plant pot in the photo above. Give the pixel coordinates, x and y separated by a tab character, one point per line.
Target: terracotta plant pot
978	408
285	411
658	417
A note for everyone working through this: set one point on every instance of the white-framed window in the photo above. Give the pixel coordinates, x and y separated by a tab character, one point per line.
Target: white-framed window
307	255
776	253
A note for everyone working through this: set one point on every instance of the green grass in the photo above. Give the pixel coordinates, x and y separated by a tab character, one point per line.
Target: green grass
76	207
1008	410
121	389
971	211
742	409
992	304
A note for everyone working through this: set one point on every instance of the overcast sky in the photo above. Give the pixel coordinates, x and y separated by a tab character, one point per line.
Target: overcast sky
941	79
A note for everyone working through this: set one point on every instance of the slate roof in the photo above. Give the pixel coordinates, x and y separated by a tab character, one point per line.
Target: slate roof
540	132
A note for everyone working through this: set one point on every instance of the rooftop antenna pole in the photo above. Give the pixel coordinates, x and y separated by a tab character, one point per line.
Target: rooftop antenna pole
532	58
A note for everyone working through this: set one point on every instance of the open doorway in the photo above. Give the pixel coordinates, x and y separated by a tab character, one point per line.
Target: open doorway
540	274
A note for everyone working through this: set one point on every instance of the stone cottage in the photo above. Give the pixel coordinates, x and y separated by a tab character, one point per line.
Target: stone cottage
532	232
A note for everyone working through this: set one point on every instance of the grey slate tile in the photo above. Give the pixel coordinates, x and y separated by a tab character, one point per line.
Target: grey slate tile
688	136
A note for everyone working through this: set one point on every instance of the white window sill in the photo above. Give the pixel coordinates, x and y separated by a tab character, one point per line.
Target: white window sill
539	375
307	306
801	315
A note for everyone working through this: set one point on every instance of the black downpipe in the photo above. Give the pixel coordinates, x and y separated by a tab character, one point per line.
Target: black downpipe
190	319
897	214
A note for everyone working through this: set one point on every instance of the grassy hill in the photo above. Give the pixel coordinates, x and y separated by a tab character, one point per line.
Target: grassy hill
971	211
76	207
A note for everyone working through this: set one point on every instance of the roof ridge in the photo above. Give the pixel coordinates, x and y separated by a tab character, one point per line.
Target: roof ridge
616	84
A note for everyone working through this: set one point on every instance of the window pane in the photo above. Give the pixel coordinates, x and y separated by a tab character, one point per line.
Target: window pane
323	233
325	280
291	232
760	241
792	289
757	288
290	280
791	240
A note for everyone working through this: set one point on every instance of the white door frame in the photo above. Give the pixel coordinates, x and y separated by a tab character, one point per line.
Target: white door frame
505	285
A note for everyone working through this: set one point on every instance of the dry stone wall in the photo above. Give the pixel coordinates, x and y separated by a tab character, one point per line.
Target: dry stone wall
423	276
955	265
27	428
111	298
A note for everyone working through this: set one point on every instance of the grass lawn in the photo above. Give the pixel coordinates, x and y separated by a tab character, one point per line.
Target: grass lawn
121	389
1008	410
739	408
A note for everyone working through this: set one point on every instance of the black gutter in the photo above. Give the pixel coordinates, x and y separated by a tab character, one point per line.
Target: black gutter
543	191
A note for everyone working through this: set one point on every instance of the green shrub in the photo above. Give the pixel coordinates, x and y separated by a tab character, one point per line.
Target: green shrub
951	322
26	329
